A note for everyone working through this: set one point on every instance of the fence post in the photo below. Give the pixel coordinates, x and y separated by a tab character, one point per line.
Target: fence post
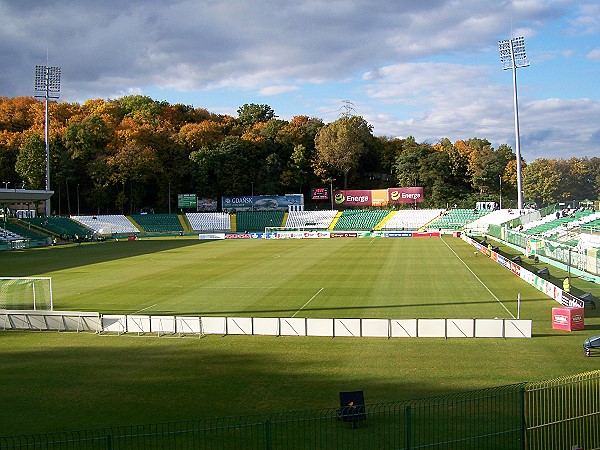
523	420
407	427
267	434
108	442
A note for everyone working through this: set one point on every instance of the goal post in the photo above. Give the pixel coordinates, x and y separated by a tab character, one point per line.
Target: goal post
26	293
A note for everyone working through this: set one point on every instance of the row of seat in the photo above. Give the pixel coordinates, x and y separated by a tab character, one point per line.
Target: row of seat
62	226
455	219
7	236
158	223
360	219
411	219
550	223
107	224
258	220
310	219
214	221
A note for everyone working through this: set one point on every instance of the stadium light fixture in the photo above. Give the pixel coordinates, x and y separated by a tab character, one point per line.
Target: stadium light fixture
47	86
512	56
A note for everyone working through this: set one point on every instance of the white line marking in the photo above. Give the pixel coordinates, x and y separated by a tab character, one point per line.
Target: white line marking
310	300
478	279
144	309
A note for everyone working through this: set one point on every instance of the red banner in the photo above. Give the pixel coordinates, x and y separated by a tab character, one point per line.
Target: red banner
405	195
353	198
378	197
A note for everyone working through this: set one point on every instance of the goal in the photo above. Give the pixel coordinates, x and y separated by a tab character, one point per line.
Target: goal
26	293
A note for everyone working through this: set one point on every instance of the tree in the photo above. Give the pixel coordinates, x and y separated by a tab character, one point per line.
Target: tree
31	162
541	180
250	114
339	146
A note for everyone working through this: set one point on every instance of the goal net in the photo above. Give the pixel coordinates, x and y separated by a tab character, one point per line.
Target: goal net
26	293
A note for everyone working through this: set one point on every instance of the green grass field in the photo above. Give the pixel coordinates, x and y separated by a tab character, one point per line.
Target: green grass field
60	381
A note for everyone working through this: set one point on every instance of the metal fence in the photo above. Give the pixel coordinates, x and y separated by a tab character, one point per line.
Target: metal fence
555	414
564	412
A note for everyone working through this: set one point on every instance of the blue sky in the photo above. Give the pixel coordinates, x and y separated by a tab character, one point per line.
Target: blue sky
428	69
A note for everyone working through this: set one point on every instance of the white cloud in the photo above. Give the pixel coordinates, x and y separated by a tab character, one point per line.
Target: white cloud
276	90
428	69
594	55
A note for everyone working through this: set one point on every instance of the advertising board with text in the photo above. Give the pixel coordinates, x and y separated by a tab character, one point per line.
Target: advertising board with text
378	197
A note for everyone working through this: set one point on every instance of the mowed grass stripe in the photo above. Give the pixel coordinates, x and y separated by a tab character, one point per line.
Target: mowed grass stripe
393	278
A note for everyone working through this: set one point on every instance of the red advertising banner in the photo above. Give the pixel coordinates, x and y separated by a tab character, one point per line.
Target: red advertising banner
353	198
378	197
406	195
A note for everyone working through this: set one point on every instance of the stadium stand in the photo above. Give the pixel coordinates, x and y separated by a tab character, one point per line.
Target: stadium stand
7	236
456	219
497	217
310	219
411	219
592	225
60	226
258	220
360	219
550	224
107	224
31	234
215	221
158	223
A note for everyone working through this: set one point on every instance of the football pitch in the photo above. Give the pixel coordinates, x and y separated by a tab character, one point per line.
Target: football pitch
75	381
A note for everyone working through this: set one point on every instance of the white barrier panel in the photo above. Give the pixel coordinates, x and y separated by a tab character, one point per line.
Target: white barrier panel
460	328
239	325
188	325
292	327
431	328
83	322
319	327
214	325
163	324
517	328
114	323
19	321
138	324
272	326
403	328
376	328
49	320
489	328
268	326
346	327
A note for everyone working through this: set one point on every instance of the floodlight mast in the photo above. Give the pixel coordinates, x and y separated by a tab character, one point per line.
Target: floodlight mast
47	86
512	56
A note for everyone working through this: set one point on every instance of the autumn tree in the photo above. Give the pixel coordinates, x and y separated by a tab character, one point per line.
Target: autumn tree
541	180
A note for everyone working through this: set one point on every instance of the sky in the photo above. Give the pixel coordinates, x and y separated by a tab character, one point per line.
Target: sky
429	69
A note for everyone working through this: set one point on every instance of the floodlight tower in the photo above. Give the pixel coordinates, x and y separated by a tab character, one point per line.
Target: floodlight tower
512	56
47	86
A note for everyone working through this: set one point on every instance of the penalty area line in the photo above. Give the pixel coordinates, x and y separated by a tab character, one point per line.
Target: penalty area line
310	300
478	279
143	309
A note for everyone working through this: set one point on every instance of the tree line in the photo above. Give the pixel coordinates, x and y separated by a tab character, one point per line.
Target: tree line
117	156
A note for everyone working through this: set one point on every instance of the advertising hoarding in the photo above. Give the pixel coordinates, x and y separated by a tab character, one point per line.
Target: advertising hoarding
378	197
261	202
187	201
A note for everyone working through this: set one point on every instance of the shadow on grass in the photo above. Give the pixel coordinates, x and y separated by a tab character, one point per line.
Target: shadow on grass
280	312
48	259
94	382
